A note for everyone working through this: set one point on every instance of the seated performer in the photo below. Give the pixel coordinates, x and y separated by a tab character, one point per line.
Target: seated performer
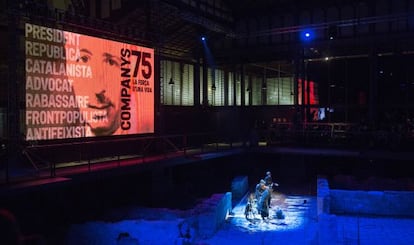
259	189
263	202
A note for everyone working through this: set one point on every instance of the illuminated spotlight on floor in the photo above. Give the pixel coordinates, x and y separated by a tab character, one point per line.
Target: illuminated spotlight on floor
287	213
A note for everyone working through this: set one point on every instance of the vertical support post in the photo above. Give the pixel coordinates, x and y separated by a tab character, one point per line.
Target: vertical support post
197	83
373	88
13	137
205	83
242	86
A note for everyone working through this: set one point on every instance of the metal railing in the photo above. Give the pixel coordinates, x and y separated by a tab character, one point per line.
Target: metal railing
42	159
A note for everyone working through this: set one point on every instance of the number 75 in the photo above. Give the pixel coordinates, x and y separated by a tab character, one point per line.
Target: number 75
145	62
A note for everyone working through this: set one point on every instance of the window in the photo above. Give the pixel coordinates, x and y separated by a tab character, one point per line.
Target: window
256	90
248	90
177	83
177	87
230	92
218	99
188	85
280	91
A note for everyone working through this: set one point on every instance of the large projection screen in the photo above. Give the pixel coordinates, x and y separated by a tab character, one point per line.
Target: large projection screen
82	86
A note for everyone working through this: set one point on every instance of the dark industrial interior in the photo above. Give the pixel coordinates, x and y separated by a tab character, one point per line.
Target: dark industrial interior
303	88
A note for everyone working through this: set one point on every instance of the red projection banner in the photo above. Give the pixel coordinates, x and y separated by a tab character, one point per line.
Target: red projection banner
82	86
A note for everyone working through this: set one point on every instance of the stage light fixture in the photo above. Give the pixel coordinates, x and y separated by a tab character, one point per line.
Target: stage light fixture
307	35
203	38
332	32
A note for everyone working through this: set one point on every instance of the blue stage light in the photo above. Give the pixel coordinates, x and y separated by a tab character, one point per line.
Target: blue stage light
203	38
307	35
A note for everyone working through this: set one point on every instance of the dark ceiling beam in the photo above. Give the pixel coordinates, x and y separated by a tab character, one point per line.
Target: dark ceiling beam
207	24
350	46
326	25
